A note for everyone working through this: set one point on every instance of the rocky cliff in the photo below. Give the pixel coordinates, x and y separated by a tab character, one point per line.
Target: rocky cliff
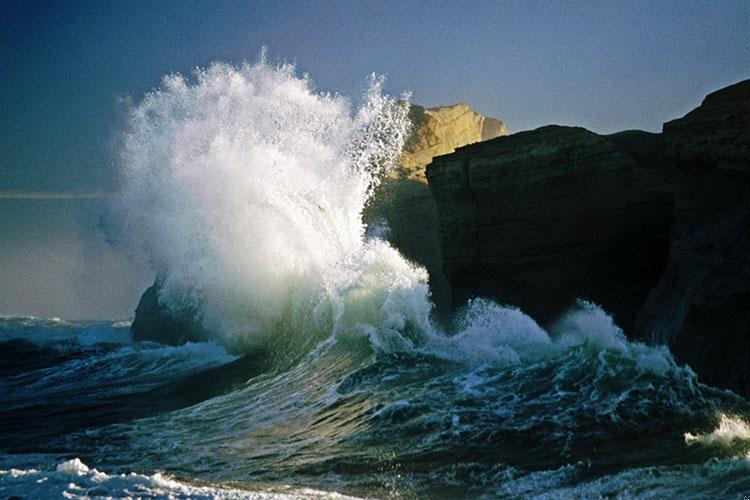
540	218
701	306
440	130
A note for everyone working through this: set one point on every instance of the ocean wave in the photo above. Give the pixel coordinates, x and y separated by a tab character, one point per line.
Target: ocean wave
247	189
325	367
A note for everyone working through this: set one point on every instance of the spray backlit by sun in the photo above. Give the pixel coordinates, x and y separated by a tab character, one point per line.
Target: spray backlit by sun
247	188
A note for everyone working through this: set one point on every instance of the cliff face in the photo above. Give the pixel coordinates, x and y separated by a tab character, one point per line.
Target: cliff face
440	130
540	218
701	306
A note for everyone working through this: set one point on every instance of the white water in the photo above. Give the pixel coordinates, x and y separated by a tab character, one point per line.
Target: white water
731	430
247	189
74	479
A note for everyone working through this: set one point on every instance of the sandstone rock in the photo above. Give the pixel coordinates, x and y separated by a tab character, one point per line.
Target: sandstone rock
701	306
441	130
540	218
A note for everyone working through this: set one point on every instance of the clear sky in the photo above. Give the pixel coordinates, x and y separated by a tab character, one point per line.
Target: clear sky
67	68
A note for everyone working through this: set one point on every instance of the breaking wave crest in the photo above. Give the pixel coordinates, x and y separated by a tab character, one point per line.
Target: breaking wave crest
247	188
76	480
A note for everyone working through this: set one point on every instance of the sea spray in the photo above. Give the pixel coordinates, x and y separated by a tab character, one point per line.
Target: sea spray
730	437
247	189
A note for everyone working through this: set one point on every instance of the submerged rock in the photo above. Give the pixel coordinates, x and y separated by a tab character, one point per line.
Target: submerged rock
158	322
701	306
540	218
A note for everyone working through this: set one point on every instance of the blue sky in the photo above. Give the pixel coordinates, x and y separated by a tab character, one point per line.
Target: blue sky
604	65
67	70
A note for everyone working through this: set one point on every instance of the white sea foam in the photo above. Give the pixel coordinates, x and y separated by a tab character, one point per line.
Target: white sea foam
488	332
731	430
74	479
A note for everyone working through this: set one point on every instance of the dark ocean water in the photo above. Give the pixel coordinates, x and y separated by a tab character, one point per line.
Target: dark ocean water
88	412
327	374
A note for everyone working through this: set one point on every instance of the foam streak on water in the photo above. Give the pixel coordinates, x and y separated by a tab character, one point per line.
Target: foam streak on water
75	480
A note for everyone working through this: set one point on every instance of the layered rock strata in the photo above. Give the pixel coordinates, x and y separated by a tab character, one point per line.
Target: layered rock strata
440	130
540	218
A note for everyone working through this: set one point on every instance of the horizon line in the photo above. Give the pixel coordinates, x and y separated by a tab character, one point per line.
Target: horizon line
51	195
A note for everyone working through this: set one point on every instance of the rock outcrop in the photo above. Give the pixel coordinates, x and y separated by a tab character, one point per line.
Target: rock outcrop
701	306
158	322
440	130
540	218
